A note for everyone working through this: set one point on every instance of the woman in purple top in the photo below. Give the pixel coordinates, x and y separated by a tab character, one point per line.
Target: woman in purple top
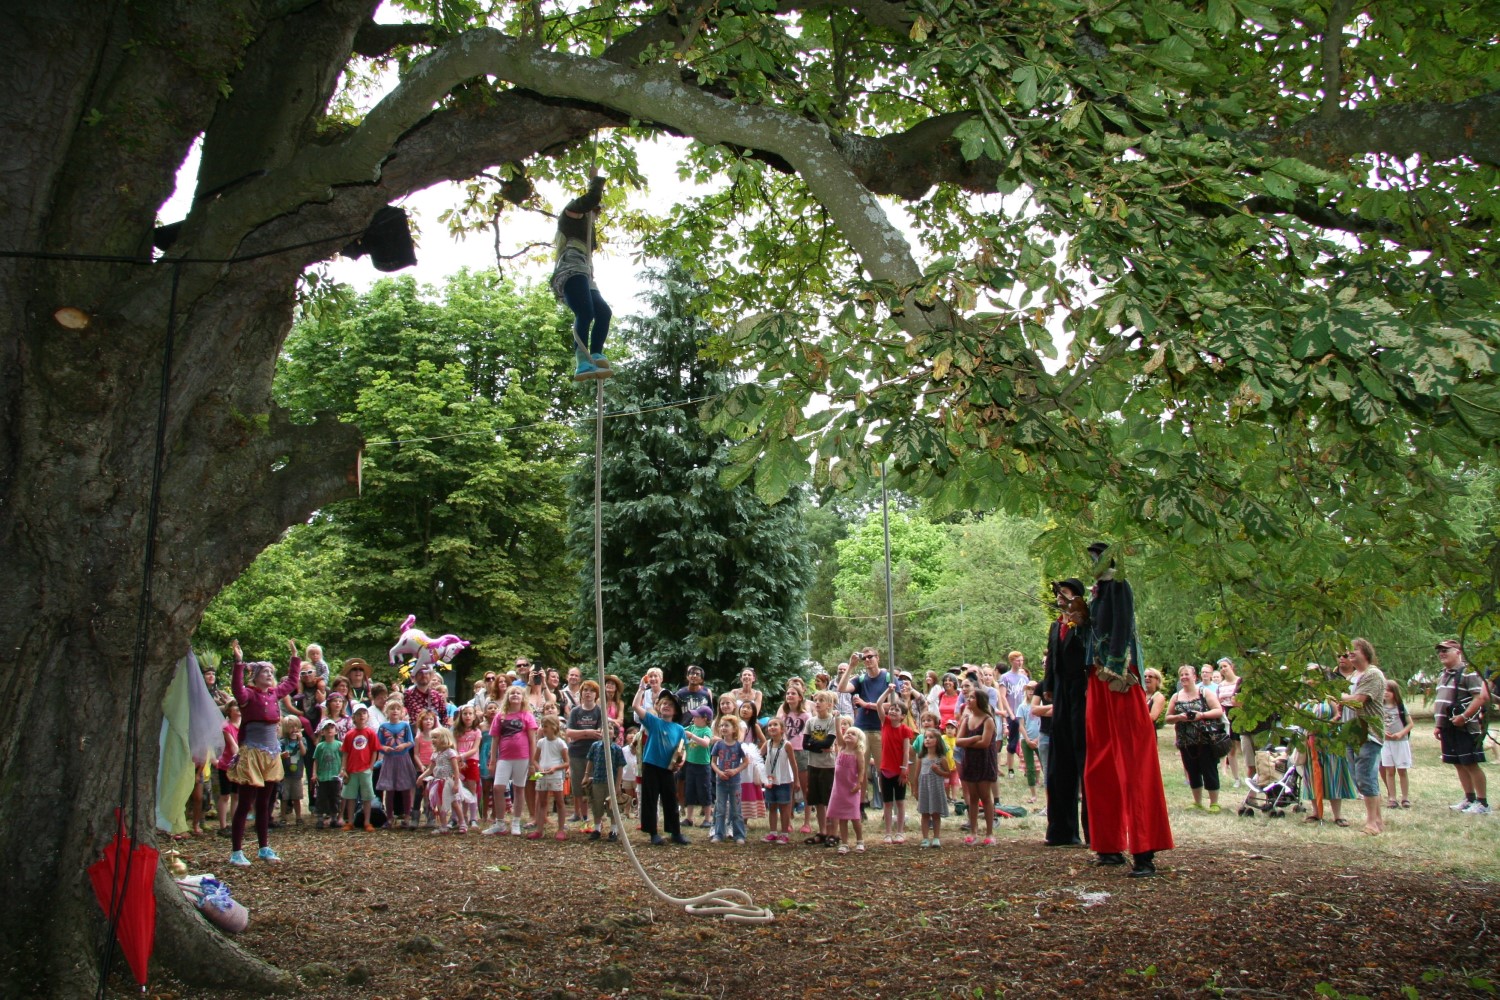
257	766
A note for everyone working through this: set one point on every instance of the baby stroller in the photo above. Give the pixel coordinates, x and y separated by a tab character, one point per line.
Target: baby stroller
1275	785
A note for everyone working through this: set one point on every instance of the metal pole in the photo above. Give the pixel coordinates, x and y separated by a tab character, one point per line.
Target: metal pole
890	618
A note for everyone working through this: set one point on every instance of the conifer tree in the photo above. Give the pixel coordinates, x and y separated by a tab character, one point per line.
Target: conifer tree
692	572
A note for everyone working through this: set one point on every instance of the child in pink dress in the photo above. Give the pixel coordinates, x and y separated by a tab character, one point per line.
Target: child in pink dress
848	779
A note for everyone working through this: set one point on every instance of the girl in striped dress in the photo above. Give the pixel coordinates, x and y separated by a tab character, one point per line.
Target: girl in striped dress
752	789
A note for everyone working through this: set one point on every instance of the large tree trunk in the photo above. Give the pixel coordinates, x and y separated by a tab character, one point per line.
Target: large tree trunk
81	450
103	101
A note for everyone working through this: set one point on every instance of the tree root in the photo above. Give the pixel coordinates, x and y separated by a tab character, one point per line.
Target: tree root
201	955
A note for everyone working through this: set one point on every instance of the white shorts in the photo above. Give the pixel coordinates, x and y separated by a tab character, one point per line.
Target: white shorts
1397	754
512	772
550	782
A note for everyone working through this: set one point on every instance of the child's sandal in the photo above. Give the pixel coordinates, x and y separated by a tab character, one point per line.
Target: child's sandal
830	841
815	840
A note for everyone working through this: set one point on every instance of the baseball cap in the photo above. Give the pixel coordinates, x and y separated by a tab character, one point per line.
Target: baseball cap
703	712
327	724
1448	644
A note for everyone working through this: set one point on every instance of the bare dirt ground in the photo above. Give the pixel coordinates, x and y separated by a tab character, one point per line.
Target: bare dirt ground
411	915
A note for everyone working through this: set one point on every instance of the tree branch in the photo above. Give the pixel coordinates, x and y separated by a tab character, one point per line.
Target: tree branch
374	40
1431	129
1333	47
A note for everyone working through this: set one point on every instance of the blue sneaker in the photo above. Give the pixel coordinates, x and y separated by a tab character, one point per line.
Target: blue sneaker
586	369
266	854
238	858
600	362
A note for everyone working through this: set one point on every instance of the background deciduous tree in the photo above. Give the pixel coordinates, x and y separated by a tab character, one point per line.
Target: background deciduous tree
463	393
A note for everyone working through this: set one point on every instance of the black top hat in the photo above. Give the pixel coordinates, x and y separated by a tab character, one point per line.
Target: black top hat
1073	584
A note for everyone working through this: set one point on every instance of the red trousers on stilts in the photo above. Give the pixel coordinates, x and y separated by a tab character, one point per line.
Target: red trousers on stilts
1122	775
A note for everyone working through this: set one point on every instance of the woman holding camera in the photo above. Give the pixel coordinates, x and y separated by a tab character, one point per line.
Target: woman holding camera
1190	706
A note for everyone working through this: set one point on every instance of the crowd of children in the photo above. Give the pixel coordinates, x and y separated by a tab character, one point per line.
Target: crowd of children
527	755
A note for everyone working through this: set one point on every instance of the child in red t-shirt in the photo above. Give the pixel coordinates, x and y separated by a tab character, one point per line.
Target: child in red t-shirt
359	750
896	735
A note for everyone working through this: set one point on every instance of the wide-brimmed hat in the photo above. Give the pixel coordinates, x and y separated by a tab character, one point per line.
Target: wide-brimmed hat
356	661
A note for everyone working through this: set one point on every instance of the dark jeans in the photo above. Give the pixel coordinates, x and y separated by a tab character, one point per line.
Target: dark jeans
589	310
658	782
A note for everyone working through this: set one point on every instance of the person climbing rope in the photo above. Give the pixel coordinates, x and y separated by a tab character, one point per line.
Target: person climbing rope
573	282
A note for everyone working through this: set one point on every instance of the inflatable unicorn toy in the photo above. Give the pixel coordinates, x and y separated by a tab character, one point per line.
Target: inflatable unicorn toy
414	642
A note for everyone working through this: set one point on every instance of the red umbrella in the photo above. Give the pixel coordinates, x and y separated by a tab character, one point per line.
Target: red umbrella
123	883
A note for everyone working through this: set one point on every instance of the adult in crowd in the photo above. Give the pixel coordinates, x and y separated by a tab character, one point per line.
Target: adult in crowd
538	695
305	700
944	700
844	701
487	690
1458	700
256	768
864	690
1064	688
1335	769
520	672
221	696
1188	709
1013	683
614	705
1121	771
747	691
1156	702
1228	695
931	685
357	673
1367	698
425	695
570	697
694	694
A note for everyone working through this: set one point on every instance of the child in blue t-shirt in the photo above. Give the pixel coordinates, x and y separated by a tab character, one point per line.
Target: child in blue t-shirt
596	782
728	759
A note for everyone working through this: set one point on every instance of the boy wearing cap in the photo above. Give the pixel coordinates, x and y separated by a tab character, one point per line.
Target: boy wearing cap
695	790
359	751
328	759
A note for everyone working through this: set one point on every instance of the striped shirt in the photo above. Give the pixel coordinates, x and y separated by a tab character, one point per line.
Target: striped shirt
1467	687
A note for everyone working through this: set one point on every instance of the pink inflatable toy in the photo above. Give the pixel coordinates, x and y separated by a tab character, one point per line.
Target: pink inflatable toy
415	643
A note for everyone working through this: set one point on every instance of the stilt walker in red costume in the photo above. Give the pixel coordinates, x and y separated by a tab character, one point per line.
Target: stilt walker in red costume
1121	773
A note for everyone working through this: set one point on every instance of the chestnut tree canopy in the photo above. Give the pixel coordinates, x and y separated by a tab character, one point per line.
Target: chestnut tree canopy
1218	274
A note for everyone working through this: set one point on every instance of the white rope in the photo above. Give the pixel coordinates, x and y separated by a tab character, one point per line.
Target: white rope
732	904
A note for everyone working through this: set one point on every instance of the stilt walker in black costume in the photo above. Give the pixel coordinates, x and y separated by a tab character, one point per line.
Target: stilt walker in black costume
1066	680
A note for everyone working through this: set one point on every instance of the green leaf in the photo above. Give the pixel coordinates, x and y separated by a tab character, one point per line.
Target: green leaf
782	465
